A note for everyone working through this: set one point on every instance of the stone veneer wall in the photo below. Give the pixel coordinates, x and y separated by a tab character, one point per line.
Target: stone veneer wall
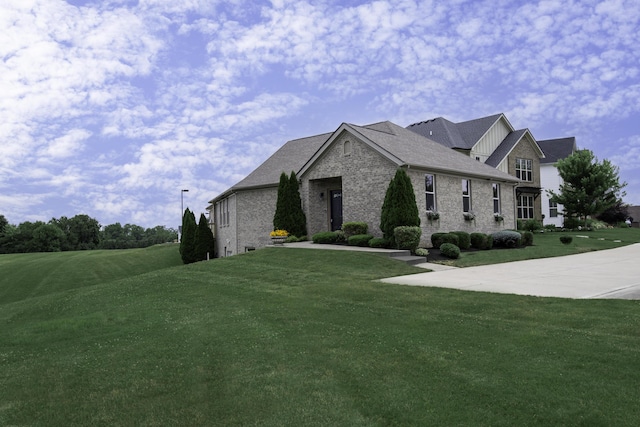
256	209
225	235
524	150
449	205
364	176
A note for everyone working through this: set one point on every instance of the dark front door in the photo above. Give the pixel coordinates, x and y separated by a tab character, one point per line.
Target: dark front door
336	209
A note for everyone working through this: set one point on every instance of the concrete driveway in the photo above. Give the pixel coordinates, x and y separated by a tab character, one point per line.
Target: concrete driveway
612	273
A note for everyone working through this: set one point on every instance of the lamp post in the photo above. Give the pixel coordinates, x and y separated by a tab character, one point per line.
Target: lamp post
182	209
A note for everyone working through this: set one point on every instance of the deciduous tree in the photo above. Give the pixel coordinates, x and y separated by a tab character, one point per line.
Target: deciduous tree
589	186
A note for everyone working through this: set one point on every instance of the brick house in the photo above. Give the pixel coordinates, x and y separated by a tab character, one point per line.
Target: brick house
344	176
494	141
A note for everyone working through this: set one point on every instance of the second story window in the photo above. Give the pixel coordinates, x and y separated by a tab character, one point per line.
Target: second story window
524	169
430	191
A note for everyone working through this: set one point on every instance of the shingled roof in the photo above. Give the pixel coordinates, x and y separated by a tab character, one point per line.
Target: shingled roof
556	149
407	148
463	135
401	146
505	147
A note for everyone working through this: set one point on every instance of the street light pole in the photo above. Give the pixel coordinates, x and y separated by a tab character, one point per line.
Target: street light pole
182	209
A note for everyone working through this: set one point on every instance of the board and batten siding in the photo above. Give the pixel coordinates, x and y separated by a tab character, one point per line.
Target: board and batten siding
490	141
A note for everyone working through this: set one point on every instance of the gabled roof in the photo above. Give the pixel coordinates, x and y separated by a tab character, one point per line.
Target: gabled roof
556	149
505	147
463	135
440	130
472	131
399	145
290	157
406	148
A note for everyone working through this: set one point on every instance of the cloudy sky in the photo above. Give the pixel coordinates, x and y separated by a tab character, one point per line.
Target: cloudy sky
111	107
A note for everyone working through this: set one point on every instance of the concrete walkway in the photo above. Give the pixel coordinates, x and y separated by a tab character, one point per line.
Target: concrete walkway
612	273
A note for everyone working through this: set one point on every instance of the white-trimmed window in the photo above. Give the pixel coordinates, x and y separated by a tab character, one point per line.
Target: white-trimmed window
466	195
553	209
525	207
223	206
496	198
430	192
524	169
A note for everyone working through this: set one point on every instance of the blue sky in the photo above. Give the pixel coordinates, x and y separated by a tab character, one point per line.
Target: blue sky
110	108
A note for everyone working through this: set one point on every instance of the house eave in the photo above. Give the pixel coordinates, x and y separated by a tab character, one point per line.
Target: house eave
456	172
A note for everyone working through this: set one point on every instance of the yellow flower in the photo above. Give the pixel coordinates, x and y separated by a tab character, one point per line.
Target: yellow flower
279	233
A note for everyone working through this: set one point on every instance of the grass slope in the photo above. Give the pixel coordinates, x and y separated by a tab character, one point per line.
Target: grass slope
31	275
306	337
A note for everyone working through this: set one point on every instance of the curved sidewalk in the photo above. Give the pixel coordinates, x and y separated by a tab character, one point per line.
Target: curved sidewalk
611	273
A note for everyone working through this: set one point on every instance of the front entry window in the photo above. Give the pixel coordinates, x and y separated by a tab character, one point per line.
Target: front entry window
525	207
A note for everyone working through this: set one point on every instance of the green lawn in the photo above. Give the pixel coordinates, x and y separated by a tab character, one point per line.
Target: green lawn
308	337
548	245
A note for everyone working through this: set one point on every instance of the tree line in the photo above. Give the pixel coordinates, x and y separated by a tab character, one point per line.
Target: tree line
80	232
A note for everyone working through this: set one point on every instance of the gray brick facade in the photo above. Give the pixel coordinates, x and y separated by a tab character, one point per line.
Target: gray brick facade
359	162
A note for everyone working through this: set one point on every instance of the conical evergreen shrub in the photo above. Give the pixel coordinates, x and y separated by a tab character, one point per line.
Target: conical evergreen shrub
188	240
399	207
204	240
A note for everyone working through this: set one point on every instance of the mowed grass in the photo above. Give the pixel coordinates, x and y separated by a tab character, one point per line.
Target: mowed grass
548	244
36	274
308	337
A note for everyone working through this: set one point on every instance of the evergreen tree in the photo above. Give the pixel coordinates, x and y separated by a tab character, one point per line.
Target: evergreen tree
204	240
399	207
188	241
298	220
280	220
589	187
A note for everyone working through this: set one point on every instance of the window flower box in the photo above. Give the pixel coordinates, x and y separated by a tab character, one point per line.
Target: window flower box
498	217
468	216
433	215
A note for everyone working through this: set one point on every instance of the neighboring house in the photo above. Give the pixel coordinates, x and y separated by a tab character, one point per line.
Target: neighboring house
554	150
344	176
634	213
493	141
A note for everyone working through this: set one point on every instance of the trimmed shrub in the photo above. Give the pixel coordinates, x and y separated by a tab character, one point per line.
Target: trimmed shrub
379	242
291	239
506	239
529	225
436	239
422	252
325	237
407	237
489	241
450	238
359	240
480	241
550	227
566	239
464	239
353	228
450	250
527	238
340	237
